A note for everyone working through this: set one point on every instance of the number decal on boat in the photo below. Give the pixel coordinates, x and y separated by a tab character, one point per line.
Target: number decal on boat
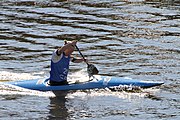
39	82
106	81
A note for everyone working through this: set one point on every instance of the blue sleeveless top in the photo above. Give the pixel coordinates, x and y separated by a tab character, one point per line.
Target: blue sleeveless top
59	70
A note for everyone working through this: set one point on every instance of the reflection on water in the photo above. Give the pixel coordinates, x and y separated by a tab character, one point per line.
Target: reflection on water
57	106
129	38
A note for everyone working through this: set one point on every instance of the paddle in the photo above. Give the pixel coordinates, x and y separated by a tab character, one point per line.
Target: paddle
91	69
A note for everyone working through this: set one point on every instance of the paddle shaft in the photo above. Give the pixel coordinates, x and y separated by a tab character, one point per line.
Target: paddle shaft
81	54
91	69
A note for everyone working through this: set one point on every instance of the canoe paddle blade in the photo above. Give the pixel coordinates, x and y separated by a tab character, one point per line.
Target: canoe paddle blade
92	70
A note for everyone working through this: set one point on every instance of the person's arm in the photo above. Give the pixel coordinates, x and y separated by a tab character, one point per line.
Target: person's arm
77	60
66	46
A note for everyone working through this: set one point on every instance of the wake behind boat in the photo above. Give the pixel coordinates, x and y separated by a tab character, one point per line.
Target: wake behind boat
98	82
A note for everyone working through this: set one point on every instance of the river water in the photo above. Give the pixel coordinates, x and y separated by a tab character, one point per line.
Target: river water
138	39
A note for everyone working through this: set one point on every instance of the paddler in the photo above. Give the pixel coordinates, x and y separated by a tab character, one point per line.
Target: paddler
60	63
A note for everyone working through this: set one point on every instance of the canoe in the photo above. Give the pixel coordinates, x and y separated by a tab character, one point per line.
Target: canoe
98	82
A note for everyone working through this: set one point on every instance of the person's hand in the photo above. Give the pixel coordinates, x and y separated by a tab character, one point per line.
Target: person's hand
74	42
86	60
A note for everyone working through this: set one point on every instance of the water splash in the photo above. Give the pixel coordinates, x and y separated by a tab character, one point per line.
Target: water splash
6	89
14	90
130	96
79	76
10	76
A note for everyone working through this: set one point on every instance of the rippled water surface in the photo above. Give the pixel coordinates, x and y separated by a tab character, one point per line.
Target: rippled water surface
139	39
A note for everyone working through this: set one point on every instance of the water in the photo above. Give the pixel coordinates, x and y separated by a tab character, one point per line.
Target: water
138	39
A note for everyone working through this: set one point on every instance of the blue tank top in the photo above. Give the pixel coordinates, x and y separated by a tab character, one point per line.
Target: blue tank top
59	70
